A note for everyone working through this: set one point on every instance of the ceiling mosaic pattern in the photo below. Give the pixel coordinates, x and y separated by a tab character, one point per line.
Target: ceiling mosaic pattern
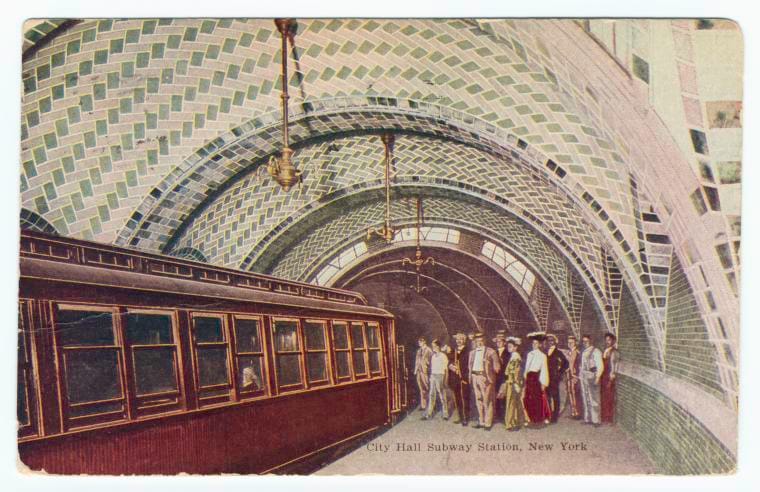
128	126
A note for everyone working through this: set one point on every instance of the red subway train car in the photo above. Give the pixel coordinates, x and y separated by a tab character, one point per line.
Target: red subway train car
135	363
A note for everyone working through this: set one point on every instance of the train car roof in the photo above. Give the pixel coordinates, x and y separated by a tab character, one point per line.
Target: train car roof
82	262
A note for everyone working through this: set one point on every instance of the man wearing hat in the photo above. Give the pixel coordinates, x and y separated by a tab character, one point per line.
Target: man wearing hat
501	351
484	367
558	365
459	378
592	367
536	381
422	371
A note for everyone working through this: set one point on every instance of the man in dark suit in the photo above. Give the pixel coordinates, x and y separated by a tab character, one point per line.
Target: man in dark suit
503	353
459	378
558	364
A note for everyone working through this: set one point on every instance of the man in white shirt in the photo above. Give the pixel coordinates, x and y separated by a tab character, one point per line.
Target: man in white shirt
422	370
439	368
592	367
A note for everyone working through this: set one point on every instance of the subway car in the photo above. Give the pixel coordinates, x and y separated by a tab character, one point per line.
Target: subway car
135	363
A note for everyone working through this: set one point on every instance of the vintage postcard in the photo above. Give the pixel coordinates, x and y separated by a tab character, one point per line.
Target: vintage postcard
379	246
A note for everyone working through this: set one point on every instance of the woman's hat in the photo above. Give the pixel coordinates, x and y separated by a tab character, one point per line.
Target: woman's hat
537	335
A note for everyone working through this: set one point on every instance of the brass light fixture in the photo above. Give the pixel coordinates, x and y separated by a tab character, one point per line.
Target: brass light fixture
282	170
418	260
386	232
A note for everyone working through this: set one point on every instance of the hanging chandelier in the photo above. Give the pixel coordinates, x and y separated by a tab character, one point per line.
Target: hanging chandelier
282	170
386	232
418	260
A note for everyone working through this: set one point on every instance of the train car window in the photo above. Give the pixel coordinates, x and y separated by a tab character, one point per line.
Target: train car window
92	364
288	353
341	350
150	338
211	352
359	352
250	357
316	352
26	381
375	350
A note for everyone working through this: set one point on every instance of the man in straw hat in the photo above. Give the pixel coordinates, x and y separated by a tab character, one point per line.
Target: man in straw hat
484	366
592	367
536	381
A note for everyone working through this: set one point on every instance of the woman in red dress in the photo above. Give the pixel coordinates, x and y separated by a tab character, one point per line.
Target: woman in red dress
536	381
608	390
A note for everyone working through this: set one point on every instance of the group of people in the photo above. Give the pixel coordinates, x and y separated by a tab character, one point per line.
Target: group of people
490	384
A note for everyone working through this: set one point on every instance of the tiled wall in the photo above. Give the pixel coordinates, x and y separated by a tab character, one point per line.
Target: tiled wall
633	341
675	442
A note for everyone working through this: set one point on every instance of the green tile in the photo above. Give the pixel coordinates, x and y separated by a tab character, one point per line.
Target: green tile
131	178
68	164
57	59
103	213
30	84
151	121
101	127
33	118
157	50
121	189
125	105
211	112
29	169
105	164
138	95
116	46
175	137
262	36
196	58
163	112
73	47
173	41
78	151
90	140
127	69
50	191
233	71
43	72
113	201
204	85
132	36
58	177
152	85
229	45
187	128
238	98
246	39
138	129
116	153
212	52
207	27
167	76
51	141
176	104
113	80
199	120
182	67
218	78
76	201
105	25
190	34
190	93
71	79
149	26
40	204
113	116
142	169
68	214
95	225
88	36
39	155
101	57
142	60
85	67
58	92
152	157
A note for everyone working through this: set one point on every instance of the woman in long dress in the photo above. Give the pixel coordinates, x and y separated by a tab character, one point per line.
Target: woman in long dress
536	380
514	417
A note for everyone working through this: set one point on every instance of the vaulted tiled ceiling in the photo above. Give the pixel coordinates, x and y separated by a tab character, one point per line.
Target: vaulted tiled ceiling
148	132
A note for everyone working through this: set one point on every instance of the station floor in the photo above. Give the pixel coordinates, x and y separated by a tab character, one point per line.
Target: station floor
438	447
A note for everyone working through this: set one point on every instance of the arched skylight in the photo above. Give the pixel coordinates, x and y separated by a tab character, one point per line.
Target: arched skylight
339	262
514	267
438	234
